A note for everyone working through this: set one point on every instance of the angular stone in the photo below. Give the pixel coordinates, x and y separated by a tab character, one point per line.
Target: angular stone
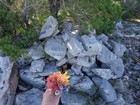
106	55
55	48
67	26
105	89
66	36
37	66
85	85
103	73
137	66
118	49
36	52
75	79
117	67
73	99
4	63
76	69
50	28
32	78
49	68
120	101
72	60
5	76
92	46
86	61
75	47
61	62
103	38
30	97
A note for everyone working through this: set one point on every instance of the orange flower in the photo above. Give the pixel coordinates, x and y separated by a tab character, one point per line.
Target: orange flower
57	81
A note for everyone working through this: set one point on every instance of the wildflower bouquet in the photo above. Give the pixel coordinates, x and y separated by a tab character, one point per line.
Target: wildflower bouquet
58	82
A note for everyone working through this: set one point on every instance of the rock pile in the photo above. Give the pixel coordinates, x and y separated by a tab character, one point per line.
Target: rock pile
94	60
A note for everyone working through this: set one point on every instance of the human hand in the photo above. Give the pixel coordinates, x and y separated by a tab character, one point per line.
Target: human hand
49	98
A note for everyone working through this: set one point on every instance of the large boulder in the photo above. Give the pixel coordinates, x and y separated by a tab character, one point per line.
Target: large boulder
50	28
30	97
55	48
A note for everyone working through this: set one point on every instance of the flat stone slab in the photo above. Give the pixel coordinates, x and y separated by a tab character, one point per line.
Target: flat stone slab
55	48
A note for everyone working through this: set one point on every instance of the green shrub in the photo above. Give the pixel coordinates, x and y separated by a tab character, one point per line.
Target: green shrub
15	35
94	14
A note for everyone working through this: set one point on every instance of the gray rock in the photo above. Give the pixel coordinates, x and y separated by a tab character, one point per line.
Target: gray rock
92	46
119	25
24	59
70	72
36	52
66	36
1	53
120	101
37	66
50	28
49	68
103	38
55	48
32	78
137	66
106	55
5	76
75	79
105	89
85	86
4	63
86	61
118	34
118	49
73	99
75	47
30	97
76	69
103	73
117	67
72	60
67	26
61	62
